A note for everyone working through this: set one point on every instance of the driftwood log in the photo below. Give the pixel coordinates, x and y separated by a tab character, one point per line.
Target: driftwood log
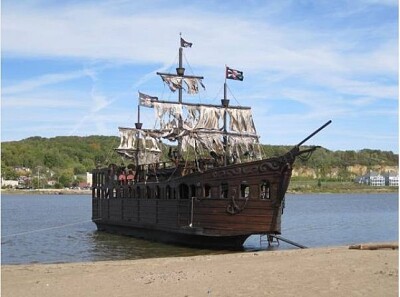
393	246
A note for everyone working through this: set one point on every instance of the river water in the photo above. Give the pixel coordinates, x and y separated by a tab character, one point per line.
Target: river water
57	228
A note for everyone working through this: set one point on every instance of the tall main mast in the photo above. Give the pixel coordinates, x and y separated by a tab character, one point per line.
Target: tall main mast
203	120
180	73
138	126
225	104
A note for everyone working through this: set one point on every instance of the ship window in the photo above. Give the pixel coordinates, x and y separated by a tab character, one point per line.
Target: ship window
207	191
265	190
224	190
130	192
168	192
138	192
133	193
148	192
244	190
193	191
114	193
183	191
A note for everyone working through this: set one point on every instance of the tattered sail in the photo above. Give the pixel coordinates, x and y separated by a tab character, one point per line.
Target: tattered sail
222	129
202	128
174	83
205	117
138	142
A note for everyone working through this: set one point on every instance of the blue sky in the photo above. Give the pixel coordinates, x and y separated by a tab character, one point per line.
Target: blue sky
75	67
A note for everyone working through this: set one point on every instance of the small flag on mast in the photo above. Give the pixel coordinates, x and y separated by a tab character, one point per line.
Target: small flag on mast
234	74
146	100
185	43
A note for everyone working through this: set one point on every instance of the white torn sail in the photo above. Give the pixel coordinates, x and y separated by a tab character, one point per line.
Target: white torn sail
202	128
223	130
137	143
191	84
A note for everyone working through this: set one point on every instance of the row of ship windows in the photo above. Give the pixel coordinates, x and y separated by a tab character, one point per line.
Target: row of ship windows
262	191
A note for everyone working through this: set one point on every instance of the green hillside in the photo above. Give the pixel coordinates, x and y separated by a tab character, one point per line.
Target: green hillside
63	157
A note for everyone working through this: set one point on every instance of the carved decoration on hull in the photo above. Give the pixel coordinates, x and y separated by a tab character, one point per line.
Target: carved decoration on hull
274	165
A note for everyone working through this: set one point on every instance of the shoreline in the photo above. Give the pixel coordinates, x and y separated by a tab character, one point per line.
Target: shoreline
46	192
331	271
364	190
293	192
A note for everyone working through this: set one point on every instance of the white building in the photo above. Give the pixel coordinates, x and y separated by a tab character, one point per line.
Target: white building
9	183
376	180
89	178
373	179
392	179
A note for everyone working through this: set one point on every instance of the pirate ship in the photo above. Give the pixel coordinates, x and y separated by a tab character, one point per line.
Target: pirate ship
213	190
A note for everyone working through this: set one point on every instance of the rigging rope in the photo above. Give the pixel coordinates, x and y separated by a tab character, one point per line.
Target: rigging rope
191	70
238	103
50	228
110	152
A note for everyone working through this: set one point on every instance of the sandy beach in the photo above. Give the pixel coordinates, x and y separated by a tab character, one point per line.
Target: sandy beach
337	271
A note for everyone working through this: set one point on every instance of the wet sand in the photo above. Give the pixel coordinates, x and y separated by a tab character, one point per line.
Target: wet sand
337	271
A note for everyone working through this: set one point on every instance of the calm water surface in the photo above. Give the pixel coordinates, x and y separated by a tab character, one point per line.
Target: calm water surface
57	228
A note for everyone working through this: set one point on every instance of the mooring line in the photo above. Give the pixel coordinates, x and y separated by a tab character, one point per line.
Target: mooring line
46	229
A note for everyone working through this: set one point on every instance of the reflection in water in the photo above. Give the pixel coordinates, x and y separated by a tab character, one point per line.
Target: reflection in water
117	247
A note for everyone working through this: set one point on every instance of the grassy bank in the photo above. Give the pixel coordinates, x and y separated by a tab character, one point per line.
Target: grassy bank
295	187
312	186
46	192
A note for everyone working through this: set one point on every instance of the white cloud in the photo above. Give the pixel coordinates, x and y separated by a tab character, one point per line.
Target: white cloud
41	81
46	99
330	71
96	32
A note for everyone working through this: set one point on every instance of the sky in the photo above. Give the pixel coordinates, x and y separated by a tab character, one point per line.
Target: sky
75	67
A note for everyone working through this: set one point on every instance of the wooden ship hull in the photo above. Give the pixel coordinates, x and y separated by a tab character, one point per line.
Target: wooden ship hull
218	208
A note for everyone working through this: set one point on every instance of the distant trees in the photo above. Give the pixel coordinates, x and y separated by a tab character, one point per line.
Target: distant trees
66	177
8	172
61	158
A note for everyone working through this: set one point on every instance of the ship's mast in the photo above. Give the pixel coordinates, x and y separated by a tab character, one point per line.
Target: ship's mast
138	126
225	104
218	137
180	71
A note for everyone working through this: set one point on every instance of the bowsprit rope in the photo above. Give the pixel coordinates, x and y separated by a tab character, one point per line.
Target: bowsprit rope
46	229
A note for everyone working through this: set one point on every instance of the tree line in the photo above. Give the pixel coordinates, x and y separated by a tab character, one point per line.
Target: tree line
64	157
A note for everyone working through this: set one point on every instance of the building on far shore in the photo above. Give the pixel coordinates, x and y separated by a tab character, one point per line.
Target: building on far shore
392	179
9	183
89	178
376	179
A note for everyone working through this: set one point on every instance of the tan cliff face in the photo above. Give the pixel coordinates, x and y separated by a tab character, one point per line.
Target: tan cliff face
335	172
